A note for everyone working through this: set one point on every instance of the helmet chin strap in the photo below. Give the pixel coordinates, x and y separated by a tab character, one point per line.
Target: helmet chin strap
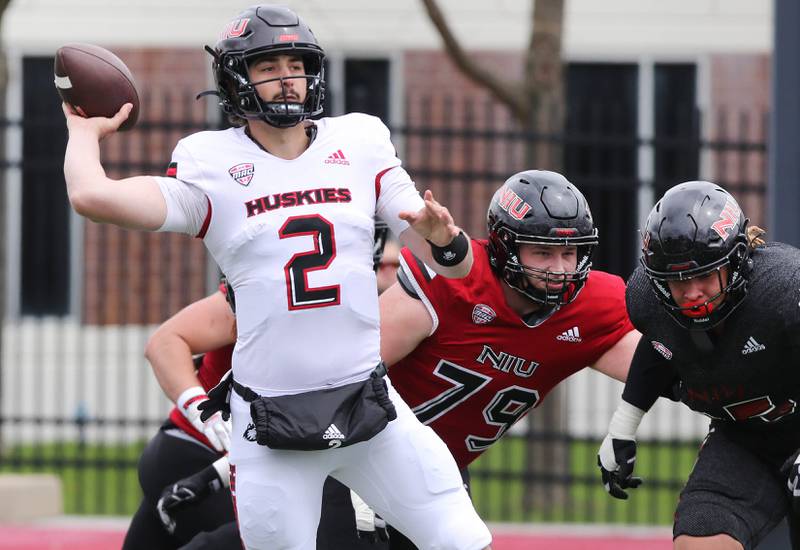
550	298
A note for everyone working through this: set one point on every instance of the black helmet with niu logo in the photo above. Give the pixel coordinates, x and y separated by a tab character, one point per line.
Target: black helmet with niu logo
695	229
542	208
257	32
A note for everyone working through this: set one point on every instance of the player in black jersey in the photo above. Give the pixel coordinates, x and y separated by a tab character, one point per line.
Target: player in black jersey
719	311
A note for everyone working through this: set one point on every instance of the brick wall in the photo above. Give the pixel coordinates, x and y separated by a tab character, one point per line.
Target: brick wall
463	172
740	88
133	277
439	95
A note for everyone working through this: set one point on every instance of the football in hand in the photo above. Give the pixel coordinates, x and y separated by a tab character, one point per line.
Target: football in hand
95	81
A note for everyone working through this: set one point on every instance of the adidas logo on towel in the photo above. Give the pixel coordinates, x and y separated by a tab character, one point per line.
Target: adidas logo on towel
571	335
751	346
333	433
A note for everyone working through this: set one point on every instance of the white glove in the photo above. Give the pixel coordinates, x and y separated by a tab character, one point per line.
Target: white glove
216	429
617	455
369	525
616	459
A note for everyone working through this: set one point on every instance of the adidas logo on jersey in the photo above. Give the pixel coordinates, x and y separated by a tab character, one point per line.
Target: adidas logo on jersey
337	157
571	335
333	433
751	346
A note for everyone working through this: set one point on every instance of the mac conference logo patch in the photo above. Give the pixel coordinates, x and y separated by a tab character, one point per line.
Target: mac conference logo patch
242	173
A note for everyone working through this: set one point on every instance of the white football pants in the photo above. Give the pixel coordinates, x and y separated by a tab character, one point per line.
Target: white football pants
405	473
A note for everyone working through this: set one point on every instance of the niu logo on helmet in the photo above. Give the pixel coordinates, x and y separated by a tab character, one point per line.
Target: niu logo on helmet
513	204
234	29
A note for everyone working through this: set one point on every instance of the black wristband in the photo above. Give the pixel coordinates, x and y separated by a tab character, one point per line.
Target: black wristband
453	253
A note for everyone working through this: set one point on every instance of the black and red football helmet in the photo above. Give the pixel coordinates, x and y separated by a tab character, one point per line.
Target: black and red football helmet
697	228
254	33
544	208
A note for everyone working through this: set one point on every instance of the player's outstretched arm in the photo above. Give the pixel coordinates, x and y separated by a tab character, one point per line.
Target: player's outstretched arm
437	240
405	322
616	361
135	202
202	326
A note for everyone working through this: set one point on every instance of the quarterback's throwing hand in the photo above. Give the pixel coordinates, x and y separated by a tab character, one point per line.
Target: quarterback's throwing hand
616	460
99	126
433	222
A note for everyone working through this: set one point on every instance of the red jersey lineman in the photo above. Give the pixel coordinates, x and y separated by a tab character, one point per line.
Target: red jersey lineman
484	368
472	356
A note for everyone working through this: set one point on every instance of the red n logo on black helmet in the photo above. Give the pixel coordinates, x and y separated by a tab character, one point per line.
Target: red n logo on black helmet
727	219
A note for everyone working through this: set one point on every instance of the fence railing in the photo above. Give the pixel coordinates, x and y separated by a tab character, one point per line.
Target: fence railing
77	397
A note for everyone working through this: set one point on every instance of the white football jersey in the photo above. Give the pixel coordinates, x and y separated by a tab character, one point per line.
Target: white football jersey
294	238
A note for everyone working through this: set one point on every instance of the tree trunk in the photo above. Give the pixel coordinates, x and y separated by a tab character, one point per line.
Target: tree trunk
3	192
547	441
544	86
537	104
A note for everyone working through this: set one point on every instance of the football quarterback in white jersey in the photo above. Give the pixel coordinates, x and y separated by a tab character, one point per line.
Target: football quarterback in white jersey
286	206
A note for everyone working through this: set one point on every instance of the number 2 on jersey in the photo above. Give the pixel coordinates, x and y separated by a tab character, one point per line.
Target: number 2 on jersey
296	270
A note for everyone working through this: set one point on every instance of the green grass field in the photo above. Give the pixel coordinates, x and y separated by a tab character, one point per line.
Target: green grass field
102	480
96	480
663	467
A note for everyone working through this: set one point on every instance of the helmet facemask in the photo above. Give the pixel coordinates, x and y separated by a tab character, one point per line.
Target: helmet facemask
560	288
705	315
240	96
695	229
259	31
540	207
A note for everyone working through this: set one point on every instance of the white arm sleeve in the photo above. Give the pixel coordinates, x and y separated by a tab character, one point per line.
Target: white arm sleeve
187	206
396	191
396	195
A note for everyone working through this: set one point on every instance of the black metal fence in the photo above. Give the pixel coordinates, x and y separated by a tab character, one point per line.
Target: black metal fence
78	399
